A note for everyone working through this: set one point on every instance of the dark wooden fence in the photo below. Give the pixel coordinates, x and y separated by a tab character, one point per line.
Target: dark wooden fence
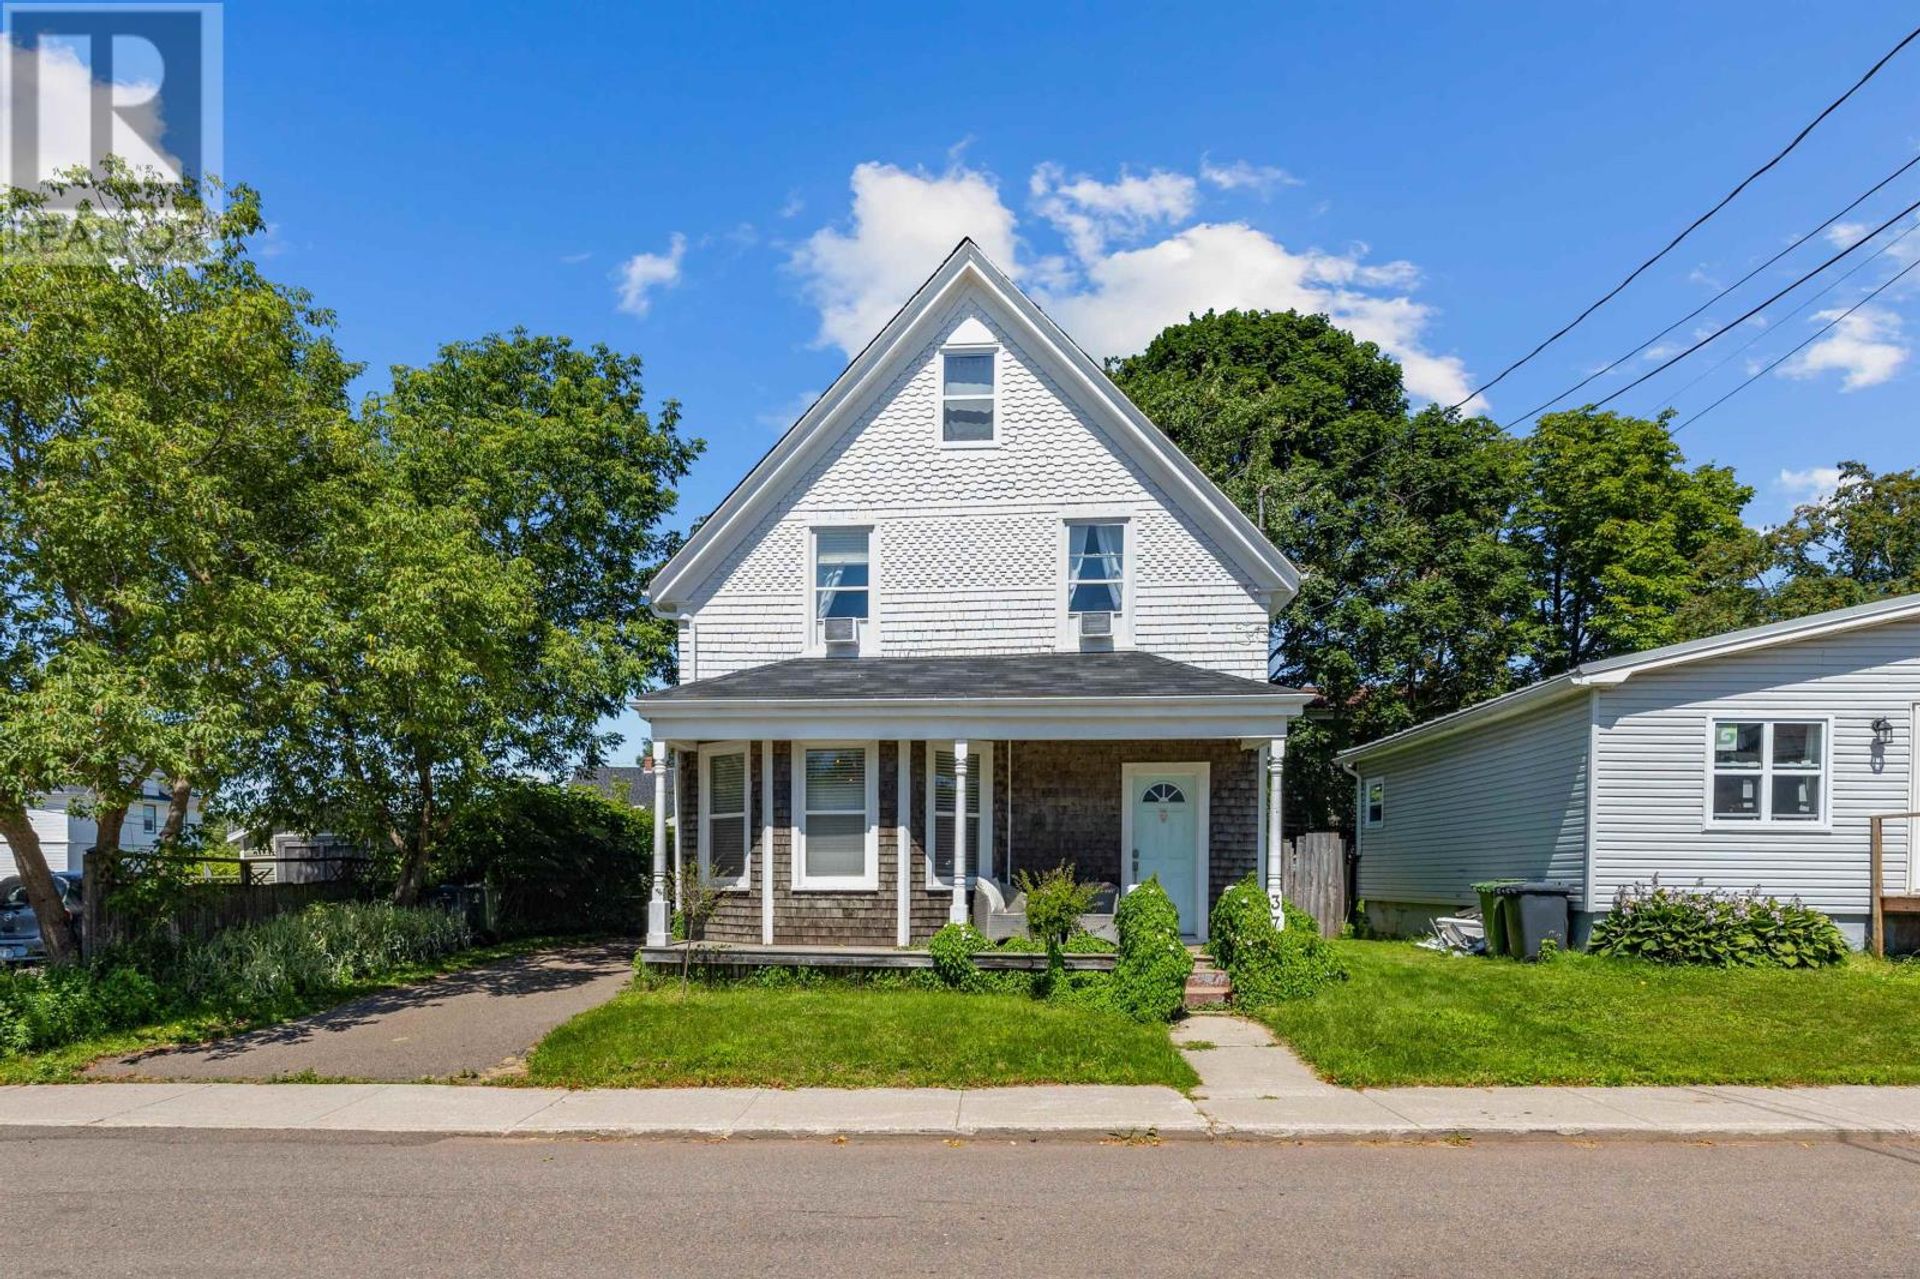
1314	876
217	892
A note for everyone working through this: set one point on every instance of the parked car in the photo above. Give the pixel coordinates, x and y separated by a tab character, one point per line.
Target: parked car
19	930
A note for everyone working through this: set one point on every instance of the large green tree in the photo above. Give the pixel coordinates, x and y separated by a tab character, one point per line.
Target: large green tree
165	415
1413	602
480	604
1619	534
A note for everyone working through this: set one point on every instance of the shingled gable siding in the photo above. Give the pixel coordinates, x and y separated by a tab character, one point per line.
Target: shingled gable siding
967	551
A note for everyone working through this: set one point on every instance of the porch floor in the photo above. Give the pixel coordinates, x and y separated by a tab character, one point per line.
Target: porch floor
742	955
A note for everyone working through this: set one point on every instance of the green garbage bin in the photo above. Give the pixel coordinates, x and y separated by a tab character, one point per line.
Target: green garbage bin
1493	916
1535	914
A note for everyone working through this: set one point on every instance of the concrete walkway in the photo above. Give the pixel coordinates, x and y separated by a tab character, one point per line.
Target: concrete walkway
461	1025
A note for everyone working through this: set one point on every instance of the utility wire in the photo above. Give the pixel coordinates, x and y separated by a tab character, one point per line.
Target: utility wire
1790	247
1725	200
1813	337
1664	365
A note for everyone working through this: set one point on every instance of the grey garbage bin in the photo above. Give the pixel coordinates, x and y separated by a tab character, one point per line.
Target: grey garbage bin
1536	912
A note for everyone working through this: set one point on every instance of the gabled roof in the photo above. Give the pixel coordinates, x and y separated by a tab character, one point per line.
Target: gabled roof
1618	670
871	371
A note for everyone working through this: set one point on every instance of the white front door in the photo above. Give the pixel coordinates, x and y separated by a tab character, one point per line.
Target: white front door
1166	835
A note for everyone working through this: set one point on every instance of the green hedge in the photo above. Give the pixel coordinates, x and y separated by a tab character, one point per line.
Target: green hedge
1269	965
1150	975
1716	929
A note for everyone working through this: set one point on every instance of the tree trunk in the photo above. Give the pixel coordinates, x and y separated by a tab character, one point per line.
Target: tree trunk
41	893
177	810
413	863
109	821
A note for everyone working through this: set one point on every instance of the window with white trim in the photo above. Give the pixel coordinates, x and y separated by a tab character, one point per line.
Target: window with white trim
1768	770
149	818
1376	801
836	793
725	842
942	796
1096	568
966	397
842	572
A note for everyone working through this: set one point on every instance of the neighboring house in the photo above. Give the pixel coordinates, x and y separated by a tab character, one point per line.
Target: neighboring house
972	614
296	857
1752	759
630	785
66	835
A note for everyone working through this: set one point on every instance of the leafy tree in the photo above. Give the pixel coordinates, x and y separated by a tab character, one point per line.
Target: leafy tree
165	412
1618	534
482	598
1413	602
1859	544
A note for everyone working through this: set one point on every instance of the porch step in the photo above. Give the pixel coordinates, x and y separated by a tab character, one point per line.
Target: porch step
1207	986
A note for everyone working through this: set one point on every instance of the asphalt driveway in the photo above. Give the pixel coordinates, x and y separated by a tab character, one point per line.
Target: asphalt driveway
477	1022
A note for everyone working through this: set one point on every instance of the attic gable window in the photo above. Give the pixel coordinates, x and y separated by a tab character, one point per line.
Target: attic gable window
1096	580
966	397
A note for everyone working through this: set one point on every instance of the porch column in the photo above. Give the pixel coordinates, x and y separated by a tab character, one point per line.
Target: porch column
903	844
766	842
657	904
1276	764
958	913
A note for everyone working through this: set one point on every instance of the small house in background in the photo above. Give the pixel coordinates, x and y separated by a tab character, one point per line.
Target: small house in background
1753	759
64	822
627	785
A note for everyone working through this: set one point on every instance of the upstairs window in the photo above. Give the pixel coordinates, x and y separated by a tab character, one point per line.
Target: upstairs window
966	397
841	570
1096	578
1769	771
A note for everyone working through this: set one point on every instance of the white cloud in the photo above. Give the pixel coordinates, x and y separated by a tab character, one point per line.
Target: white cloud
643	273
904	224
1090	213
67	92
1113	300
1866	347
1241	175
1810	485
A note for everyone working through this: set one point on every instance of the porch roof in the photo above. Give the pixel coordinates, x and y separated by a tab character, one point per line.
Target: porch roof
1030	696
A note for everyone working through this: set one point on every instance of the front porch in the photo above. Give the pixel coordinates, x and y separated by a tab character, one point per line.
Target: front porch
822	797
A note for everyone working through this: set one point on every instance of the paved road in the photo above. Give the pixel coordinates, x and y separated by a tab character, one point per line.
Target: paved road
200	1204
461	1024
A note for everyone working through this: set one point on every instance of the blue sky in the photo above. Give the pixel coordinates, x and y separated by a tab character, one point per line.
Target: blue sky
740	195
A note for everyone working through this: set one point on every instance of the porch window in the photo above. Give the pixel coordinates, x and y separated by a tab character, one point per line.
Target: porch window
724	841
836	798
941	799
1768	771
966	397
1096	578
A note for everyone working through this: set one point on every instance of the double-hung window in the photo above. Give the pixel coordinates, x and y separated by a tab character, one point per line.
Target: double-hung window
1376	801
836	799
1096	568
943	798
966	397
725	844
1768	770
842	573
149	818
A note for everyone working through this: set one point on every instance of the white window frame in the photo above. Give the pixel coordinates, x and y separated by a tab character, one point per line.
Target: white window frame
870	628
980	758
1068	632
990	349
869	878
149	819
708	752
1766	820
1366	802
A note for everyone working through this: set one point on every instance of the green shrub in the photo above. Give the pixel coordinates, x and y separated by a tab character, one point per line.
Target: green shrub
558	858
1717	929
953	949
1055	902
54	1006
1150	975
1269	965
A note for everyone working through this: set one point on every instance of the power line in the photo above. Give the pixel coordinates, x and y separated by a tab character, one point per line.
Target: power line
1814	337
1725	200
1790	247
1725	329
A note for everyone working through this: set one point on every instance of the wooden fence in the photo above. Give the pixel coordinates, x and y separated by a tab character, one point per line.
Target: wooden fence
1314	875
216	893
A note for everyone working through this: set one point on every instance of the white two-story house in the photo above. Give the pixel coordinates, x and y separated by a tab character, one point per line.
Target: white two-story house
973	614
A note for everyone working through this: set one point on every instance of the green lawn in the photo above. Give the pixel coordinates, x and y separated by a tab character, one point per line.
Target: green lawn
849	1038
1410	1016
